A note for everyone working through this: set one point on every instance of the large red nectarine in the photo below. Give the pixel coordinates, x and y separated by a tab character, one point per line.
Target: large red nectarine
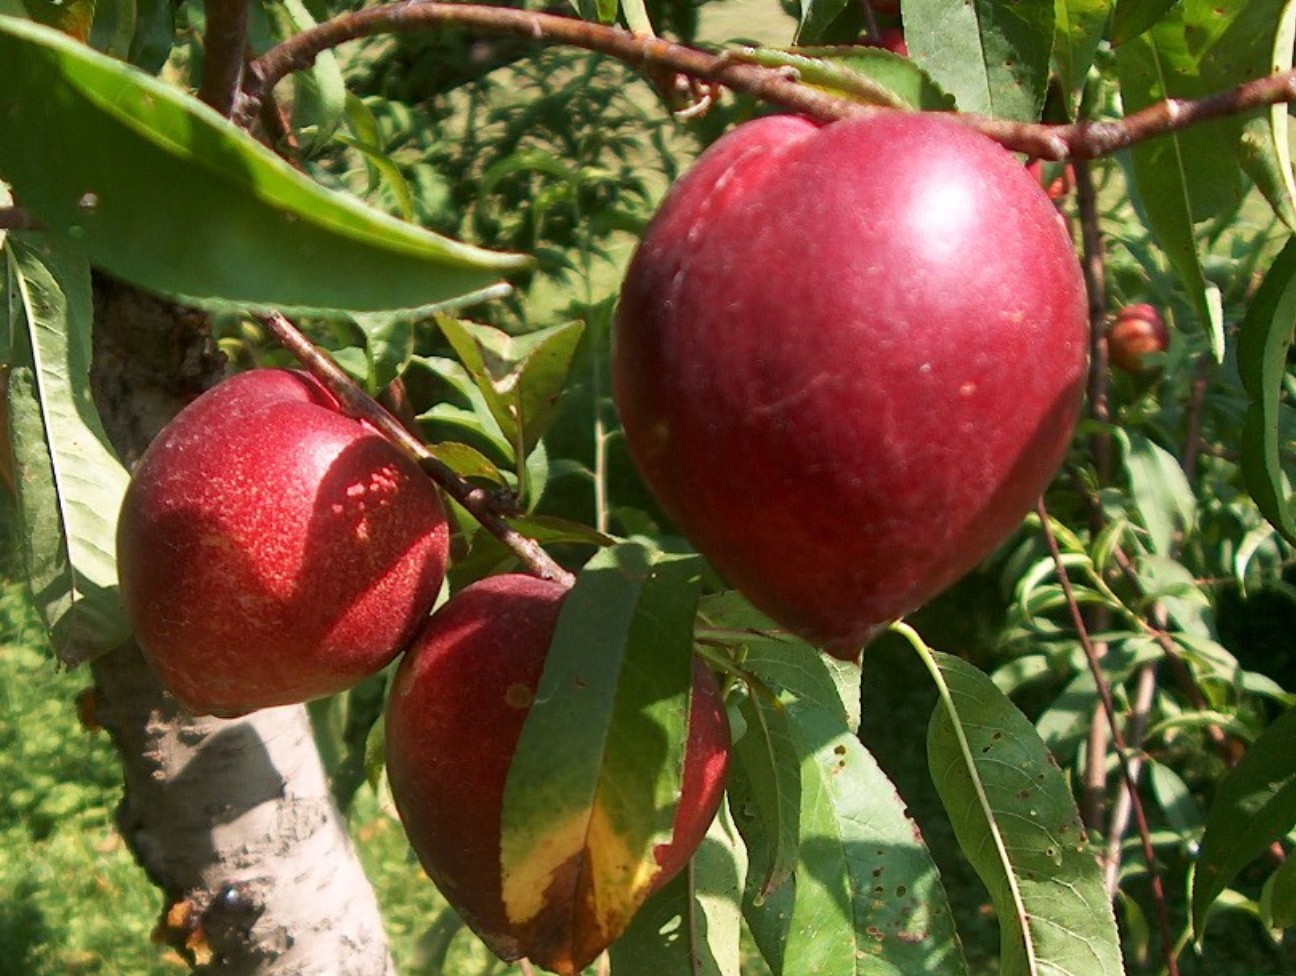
272	550
454	719
848	360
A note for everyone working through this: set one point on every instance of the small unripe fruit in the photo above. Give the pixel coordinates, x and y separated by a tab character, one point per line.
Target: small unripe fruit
1137	332
272	550
454	719
848	360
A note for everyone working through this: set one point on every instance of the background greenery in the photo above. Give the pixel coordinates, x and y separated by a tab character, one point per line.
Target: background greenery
565	155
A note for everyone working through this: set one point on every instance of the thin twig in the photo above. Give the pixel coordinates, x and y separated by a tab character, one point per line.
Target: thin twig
477	501
1196	403
1093	798
1095	274
1094	267
1118	738
1144	693
225	43
653	56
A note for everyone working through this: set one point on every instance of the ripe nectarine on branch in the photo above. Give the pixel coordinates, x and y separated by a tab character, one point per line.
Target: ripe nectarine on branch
848	360
454	720
272	550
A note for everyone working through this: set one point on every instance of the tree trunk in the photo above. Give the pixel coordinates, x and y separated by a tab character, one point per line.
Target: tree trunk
235	822
232	819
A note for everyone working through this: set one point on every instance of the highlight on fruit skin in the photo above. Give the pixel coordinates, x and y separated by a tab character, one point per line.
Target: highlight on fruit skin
272	550
454	719
848	360
1138	331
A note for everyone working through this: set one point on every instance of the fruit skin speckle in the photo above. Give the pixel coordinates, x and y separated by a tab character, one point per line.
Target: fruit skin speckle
272	550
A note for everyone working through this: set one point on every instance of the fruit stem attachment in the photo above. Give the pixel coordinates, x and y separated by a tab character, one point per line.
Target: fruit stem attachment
356	402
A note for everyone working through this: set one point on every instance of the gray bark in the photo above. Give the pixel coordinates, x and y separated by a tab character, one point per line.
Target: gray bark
235	822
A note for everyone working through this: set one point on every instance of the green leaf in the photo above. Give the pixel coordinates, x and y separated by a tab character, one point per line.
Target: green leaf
389	345
816	18
602	11
692	926
319	91
366	139
468	462
1079	31
1160	490
1173	584
70	484
866	897
1237	42
1263	342
636	18
1278	899
993	57
870	75
521	378
189	205
1133	17
1195	49
612	703
768	753
1255	805
1013	814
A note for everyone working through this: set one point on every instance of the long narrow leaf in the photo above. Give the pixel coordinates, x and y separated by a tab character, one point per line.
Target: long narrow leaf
866	899
1266	335
992	57
70	485
1254	806
1015	819
189	205
1080	26
612	703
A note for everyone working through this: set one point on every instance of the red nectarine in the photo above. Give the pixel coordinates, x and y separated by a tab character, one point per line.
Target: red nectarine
272	550
848	360
454	719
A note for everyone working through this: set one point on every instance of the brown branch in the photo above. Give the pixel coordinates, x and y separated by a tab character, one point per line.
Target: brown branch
654	57
477	501
649	55
1118	738
1095	275
225	45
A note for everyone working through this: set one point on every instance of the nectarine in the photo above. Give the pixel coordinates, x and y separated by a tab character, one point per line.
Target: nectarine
848	359
454	718
272	550
1137	331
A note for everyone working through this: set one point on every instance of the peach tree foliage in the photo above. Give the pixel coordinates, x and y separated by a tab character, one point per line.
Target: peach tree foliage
1169	526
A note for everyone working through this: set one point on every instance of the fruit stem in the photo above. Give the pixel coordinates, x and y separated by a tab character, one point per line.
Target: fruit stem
355	401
